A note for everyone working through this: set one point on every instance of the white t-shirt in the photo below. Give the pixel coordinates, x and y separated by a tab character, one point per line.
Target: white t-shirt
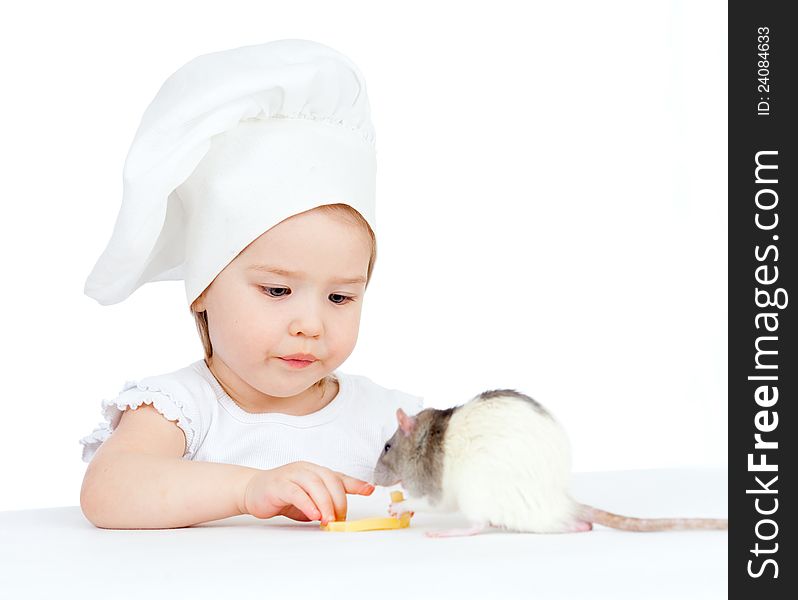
346	435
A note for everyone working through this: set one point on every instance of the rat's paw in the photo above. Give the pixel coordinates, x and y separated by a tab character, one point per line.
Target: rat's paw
581	526
398	508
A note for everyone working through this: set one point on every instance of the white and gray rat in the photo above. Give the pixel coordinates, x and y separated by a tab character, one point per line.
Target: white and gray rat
501	460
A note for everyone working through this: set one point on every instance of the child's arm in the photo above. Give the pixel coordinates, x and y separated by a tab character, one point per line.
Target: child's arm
138	480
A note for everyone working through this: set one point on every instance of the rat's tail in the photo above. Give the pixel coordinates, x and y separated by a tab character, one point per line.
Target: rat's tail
608	519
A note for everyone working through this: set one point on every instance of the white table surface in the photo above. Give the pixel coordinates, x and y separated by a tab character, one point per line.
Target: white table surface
56	553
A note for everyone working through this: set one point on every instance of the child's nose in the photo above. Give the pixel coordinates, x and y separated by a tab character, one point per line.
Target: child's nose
309	324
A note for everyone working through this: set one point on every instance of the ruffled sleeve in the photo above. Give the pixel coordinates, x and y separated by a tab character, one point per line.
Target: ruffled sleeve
167	400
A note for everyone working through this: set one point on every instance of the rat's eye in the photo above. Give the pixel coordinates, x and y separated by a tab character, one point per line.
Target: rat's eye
387	447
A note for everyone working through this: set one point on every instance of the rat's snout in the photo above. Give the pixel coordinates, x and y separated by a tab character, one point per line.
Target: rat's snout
384	477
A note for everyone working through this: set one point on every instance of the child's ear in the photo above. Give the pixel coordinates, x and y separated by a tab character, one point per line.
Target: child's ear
199	304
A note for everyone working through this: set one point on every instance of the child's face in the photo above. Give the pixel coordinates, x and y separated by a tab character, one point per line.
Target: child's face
256	316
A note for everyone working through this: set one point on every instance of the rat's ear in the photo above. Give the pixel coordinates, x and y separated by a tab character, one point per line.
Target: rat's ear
406	424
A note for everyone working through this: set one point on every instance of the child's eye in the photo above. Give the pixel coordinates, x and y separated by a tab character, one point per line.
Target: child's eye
345	300
274	292
268	290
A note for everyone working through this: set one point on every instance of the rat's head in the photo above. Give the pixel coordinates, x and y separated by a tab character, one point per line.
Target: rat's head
392	464
413	455
296	289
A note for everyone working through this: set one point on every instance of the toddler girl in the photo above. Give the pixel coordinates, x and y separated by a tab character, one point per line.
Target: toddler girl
251	178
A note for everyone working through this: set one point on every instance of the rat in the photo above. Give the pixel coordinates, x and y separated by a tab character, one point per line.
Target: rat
501	460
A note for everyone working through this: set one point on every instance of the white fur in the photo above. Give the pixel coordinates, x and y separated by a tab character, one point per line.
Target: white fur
508	465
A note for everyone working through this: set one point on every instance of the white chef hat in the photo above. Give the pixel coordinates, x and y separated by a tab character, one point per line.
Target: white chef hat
233	143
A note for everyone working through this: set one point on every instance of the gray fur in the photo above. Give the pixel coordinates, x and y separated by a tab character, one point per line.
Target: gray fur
417	457
512	393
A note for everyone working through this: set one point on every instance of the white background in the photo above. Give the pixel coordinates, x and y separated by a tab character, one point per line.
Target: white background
552	217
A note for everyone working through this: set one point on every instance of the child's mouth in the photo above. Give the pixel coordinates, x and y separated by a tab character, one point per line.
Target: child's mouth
297	364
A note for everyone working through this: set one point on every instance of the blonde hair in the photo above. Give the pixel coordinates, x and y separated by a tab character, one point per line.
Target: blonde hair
343	211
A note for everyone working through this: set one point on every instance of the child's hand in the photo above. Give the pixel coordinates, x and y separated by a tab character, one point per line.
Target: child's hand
302	491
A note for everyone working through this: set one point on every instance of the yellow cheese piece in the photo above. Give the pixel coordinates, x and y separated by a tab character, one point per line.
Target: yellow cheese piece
374	523
369	524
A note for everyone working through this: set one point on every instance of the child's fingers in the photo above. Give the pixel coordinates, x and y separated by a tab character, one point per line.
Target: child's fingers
302	501
292	512
352	485
337	492
315	487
